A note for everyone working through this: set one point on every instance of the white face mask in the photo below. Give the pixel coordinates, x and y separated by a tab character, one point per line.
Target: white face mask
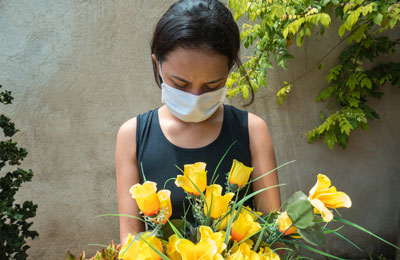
189	107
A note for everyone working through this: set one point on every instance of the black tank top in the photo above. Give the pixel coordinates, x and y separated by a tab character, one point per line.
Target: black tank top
157	156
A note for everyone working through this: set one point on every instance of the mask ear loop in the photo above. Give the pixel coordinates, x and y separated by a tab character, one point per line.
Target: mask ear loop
159	65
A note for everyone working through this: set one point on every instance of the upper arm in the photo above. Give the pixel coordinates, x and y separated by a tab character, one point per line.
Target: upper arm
263	161
127	174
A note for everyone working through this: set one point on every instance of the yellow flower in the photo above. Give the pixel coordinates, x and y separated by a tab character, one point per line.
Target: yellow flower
243	252
193	174
239	173
219	203
204	250
224	220
267	254
139	249
244	226
252	213
171	250
146	197
322	197
165	207
217	237
284	222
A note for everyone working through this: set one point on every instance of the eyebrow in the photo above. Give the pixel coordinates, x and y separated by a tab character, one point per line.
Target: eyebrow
183	80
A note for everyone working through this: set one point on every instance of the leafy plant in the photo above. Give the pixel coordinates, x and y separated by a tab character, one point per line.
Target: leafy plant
275	25
15	228
107	253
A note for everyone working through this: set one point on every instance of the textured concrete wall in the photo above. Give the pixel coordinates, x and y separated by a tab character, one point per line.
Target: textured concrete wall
78	69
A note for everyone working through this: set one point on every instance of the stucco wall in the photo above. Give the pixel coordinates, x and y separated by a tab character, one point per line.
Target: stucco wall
79	69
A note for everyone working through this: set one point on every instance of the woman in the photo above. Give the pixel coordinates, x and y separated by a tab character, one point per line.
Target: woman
195	45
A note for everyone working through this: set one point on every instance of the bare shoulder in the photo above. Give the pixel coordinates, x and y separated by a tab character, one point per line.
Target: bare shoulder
128	127
257	126
126	139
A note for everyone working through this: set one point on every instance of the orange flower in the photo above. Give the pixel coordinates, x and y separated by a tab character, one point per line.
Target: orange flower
244	226
284	222
146	197
165	206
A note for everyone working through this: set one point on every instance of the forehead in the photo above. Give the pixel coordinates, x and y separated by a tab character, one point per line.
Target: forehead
201	62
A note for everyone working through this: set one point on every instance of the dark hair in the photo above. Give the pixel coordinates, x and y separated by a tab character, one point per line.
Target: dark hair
196	24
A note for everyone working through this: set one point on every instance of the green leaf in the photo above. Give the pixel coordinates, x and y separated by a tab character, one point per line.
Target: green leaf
367	9
285	32
366	82
300	210
392	22
245	92
277	11
312	249
325	19
378	19
175	227
313	234
335	2
362	229
321	115
342	30
351	81
300	38
327	231
279	100
325	2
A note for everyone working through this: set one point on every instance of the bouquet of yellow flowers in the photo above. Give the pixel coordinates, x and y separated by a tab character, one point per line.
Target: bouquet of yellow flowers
225	228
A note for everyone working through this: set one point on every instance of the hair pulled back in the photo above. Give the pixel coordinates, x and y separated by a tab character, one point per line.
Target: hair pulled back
196	24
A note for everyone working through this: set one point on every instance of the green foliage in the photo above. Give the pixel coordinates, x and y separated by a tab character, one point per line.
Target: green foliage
275	24
352	87
109	252
15	228
300	210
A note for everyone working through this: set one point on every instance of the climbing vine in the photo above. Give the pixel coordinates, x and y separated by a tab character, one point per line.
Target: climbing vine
276	24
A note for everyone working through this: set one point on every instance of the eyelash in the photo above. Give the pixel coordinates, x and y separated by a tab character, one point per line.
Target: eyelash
207	87
179	86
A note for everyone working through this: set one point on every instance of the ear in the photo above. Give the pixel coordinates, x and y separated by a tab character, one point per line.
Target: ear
154	58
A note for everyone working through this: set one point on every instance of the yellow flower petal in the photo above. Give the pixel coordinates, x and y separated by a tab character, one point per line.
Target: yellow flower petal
218	237
323	196
129	254
324	211
323	183
194	176
171	250
146	197
239	173
224	219
204	250
267	254
165	206
335	200
139	249
218	203
244	226
284	222
243	252
252	213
